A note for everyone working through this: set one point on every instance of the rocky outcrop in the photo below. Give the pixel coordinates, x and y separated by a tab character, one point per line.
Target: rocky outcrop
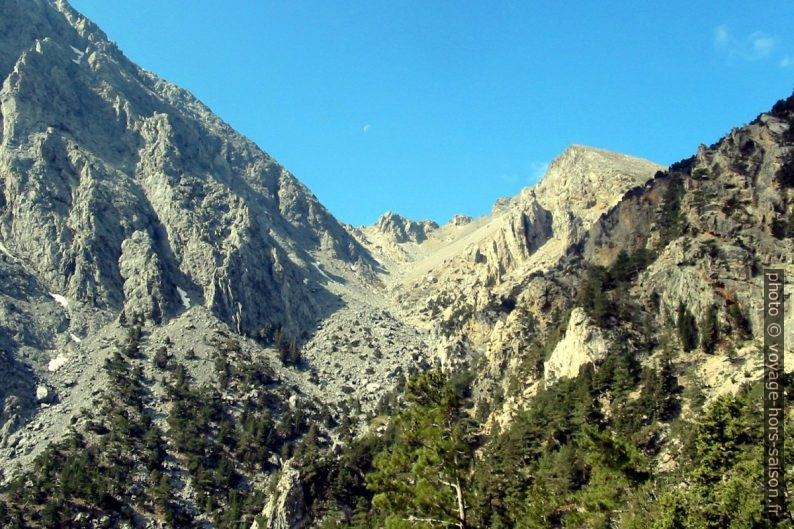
584	343
526	228
460	220
588	181
394	238
402	230
17	395
145	284
466	277
712	224
285	508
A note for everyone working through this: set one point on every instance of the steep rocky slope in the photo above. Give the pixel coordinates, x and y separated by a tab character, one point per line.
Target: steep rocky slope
124	201
395	239
610	346
119	187
704	231
462	278
179	309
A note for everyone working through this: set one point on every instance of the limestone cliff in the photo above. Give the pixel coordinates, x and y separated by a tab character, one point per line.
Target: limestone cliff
124	199
465	274
582	344
98	155
285	507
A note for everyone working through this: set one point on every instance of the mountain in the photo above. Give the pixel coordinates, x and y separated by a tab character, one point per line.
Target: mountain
190	339
602	341
126	203
463	277
104	162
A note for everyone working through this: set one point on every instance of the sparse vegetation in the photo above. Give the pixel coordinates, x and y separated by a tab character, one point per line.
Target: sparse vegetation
116	467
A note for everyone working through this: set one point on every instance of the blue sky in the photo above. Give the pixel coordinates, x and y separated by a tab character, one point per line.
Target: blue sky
431	108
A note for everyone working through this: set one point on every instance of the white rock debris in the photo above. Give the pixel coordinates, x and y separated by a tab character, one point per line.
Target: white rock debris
80	55
57	362
61	300
183	297
7	252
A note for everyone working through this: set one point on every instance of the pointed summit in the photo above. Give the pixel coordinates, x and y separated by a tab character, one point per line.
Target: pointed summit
588	180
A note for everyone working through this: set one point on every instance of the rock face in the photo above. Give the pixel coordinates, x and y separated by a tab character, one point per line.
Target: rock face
117	187
587	181
124	199
460	220
715	224
707	227
285	507
403	230
467	273
145	285
394	238
584	343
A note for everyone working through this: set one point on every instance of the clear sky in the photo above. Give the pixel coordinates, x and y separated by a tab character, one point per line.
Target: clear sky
430	108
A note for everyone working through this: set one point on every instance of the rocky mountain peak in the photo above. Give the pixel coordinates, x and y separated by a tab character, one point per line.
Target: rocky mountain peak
110	175
460	220
128	209
401	229
587	181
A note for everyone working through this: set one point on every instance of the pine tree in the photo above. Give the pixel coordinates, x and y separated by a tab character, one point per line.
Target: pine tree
161	489
719	437
673	513
279	339
622	268
308	448
687	330
709	330
294	353
423	477
739	323
360	518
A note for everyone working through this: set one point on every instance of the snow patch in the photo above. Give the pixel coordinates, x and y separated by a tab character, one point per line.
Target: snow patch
75	338
79	53
184	297
62	301
57	362
317	266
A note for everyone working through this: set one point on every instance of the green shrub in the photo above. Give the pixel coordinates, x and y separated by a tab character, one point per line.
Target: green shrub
671	219
161	358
